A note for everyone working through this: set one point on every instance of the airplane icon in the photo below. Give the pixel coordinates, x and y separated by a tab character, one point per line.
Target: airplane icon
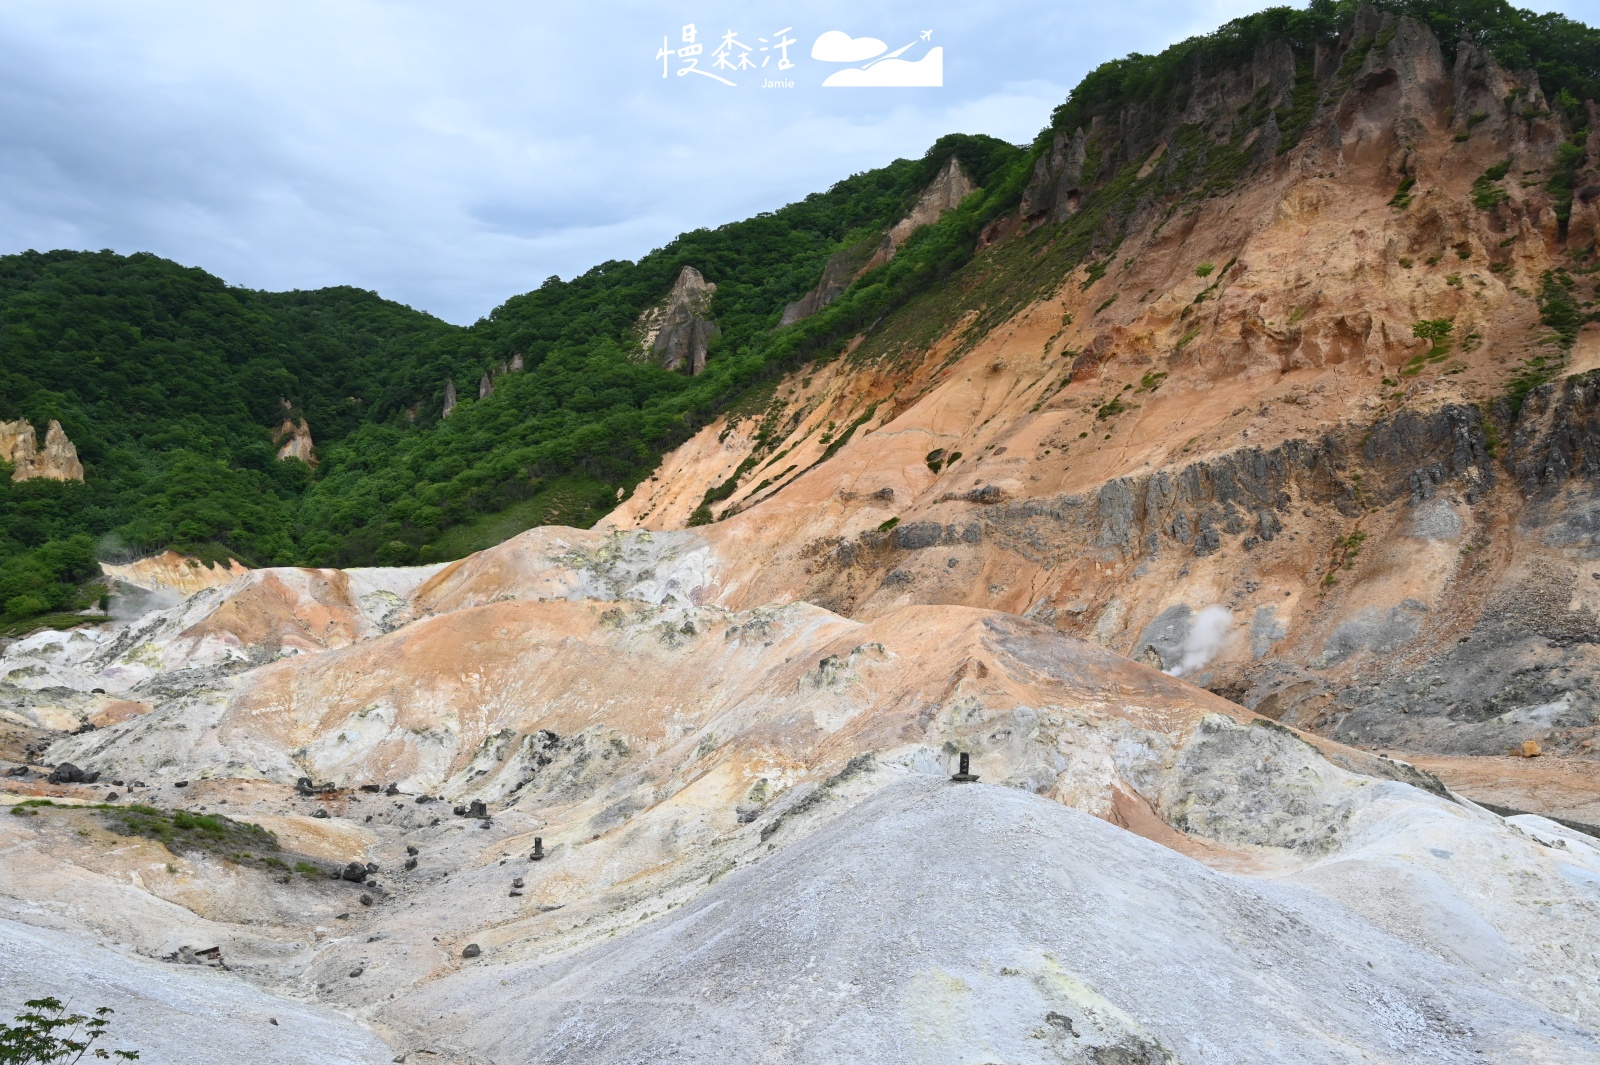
927	35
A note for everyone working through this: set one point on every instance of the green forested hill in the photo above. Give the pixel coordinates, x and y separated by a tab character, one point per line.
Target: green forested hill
170	383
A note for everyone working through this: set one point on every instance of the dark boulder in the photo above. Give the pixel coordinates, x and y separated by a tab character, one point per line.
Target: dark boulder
67	773
355	872
471	950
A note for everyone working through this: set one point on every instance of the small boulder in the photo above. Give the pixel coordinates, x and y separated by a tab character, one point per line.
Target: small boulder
320	813
471	950
355	872
412	850
66	773
181	784
517	882
1530	749
366	900
478	809
112	796
372	789
392	789
359	969
411	863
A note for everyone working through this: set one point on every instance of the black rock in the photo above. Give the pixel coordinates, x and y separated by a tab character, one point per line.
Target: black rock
355	872
181	784
412	851
459	811
17	771
478	809
392	789
372	788
421	799
97	691
411	863
366	900
517	882
117	783
320	813
372	867
358	970
486	823
66	773
112	796
471	950
304	786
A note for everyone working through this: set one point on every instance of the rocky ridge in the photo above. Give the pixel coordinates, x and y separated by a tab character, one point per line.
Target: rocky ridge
58	461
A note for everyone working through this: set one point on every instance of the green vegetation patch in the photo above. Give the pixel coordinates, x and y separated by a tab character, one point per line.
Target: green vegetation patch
182	831
1486	192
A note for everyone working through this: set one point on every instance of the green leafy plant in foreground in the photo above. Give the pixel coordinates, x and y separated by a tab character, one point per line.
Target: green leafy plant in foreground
46	1032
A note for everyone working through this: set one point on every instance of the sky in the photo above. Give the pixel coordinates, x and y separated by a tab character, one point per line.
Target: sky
451	155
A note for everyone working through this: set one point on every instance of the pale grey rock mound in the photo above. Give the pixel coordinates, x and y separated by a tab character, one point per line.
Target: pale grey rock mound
940	922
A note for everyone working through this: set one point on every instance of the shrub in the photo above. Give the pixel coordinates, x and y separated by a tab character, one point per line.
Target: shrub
46	1032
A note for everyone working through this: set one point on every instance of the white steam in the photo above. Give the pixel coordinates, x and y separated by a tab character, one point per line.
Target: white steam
129	602
1208	632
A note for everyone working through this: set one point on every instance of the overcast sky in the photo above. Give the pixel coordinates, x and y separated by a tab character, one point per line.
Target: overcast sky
452	154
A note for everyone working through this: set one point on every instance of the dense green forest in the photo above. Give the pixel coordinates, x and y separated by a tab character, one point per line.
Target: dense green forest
170	381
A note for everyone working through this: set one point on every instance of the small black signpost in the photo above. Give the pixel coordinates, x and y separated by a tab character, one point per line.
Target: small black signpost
964	776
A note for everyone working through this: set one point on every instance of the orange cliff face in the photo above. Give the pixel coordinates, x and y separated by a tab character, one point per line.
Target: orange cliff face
1248	407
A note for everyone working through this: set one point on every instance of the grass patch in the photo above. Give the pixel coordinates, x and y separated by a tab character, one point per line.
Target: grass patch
1486	192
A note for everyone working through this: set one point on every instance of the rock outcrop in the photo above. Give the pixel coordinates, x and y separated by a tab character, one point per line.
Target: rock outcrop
841	268
58	461
449	397
293	437
677	332
947	190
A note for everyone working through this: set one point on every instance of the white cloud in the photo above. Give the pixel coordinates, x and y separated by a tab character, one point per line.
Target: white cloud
836	46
